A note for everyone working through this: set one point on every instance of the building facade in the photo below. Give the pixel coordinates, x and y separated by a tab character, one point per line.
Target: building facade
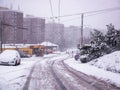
55	34
11	26
35	30
72	36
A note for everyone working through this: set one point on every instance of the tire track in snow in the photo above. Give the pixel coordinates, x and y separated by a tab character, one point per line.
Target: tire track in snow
57	79
27	83
91	81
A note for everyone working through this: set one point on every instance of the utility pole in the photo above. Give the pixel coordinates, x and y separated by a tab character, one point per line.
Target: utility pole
1	36
14	29
59	12
82	16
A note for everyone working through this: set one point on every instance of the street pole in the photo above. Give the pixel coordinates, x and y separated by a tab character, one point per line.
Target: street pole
14	28
59	12
82	16
1	36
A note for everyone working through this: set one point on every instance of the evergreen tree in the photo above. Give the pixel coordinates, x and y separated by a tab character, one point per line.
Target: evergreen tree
103	44
112	37
97	37
99	46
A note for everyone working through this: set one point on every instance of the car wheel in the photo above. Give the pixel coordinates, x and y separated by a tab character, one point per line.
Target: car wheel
76	57
19	62
83	60
15	63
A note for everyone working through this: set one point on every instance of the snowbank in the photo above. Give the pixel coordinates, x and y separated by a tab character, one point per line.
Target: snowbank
113	78
110	62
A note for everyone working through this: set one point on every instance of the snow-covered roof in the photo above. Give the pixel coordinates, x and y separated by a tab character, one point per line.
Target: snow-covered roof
48	44
17	45
14	45
5	10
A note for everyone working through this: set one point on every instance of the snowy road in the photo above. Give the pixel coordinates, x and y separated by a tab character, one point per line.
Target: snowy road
51	73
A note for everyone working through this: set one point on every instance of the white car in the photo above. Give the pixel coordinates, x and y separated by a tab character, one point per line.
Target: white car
10	57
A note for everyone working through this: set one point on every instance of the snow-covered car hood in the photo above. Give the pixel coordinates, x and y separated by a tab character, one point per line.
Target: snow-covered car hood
6	59
7	56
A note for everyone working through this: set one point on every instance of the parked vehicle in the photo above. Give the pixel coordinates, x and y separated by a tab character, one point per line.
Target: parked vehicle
24	55
77	56
88	53
28	49
10	57
84	55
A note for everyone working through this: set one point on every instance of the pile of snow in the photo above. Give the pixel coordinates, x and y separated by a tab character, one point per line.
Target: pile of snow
48	44
108	76
72	51
110	62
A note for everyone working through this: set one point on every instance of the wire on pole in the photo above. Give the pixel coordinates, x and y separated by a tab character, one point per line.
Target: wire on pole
90	12
51	10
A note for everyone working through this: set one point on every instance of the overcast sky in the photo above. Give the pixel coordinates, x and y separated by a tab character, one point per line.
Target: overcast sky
41	8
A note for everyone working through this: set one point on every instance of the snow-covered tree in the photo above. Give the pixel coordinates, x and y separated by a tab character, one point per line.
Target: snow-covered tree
112	37
99	46
97	37
103	44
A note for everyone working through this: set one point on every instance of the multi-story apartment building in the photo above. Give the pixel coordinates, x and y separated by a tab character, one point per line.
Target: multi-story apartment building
72	36
12	25
35	32
55	34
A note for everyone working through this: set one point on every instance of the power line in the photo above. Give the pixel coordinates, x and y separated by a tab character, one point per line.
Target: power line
76	18
82	17
51	9
100	13
90	12
103	10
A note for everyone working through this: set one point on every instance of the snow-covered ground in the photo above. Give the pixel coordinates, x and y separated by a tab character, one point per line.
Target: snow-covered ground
105	68
14	77
110	62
